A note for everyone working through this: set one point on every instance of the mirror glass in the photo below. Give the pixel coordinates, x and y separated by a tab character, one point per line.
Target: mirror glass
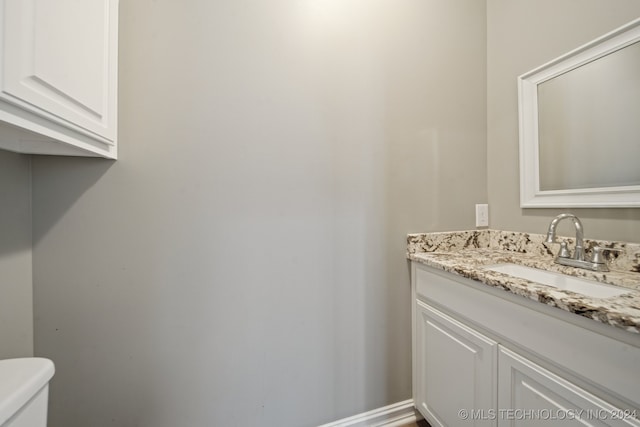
580	126
589	124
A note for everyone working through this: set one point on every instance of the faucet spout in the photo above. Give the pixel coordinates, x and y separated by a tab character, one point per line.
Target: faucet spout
551	233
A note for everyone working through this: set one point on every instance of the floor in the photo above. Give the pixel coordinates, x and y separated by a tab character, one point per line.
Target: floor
421	423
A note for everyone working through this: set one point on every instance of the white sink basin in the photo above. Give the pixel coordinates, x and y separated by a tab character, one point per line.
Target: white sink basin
560	281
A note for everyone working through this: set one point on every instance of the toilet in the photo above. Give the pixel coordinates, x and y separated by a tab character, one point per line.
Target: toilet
24	391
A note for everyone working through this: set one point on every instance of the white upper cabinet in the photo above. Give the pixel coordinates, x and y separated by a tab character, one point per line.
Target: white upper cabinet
58	81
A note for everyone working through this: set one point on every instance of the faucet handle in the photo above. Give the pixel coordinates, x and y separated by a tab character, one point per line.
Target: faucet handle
564	250
598	254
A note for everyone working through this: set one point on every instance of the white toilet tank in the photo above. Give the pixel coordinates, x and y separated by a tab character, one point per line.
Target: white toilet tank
24	391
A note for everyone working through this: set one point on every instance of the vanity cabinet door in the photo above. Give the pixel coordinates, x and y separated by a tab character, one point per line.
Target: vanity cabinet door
537	397
59	69
456	371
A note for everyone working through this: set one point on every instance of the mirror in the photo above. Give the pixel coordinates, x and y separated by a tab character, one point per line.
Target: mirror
580	126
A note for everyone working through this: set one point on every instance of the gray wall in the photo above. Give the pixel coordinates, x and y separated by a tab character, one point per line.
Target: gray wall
521	35
16	306
242	263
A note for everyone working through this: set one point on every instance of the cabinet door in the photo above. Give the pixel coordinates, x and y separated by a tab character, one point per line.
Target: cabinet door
59	61
537	397
456	371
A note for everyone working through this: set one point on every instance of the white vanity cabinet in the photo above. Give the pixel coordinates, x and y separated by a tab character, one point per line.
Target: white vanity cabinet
58	77
457	366
485	357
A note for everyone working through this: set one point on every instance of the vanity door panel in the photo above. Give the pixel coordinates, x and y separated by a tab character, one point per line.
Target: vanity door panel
456	370
537	397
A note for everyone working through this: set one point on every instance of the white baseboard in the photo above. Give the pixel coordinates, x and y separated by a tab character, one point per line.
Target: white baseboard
395	415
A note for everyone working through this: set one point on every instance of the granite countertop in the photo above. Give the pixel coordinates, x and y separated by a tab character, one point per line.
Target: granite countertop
465	253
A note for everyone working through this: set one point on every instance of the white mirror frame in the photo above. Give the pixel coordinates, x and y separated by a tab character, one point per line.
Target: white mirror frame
530	194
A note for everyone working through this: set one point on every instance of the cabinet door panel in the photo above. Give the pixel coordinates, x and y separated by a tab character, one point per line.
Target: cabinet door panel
59	61
538	397
456	370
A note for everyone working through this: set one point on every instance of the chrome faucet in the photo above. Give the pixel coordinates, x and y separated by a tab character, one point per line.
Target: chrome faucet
596	263
551	234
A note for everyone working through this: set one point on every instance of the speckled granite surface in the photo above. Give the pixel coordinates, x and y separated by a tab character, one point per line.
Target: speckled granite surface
466	253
